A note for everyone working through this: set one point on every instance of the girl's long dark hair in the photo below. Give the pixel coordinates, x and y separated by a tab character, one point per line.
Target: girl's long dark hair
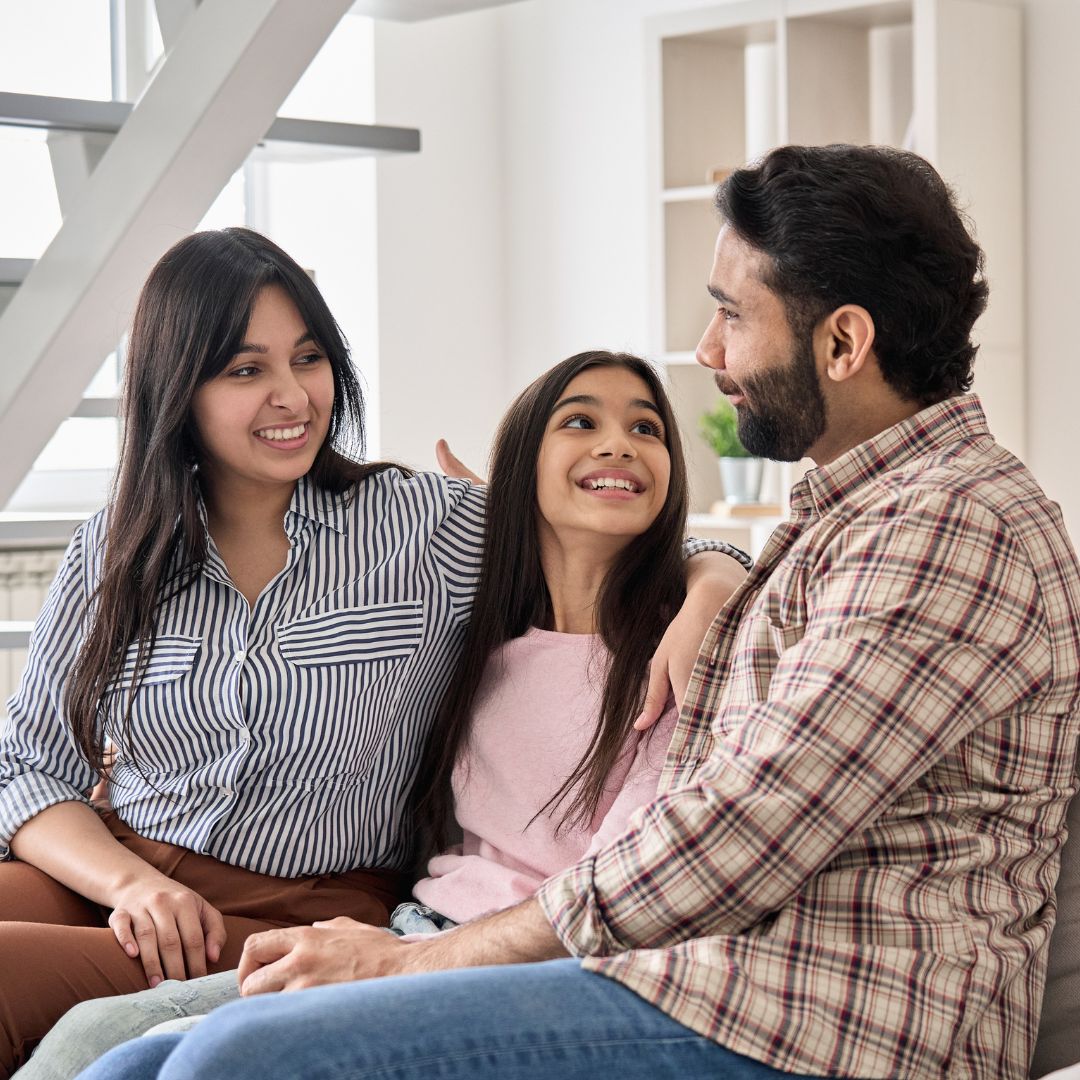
190	320
639	595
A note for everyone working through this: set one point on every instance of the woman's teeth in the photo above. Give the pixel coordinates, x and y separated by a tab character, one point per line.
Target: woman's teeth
610	482
281	434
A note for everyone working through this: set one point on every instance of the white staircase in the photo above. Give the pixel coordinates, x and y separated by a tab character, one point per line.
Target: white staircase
132	179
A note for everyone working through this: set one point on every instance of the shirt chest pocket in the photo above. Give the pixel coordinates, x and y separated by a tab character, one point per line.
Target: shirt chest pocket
171	658
377	632
785	637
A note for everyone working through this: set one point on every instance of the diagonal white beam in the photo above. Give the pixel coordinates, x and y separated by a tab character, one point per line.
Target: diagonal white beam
232	65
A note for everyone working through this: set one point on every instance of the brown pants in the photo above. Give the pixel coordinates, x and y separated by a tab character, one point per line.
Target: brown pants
56	948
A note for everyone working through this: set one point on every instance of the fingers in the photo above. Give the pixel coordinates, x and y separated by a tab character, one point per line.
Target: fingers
213	932
173	937
656	695
259	972
452	466
271	979
120	921
170	941
191	950
262	949
146	938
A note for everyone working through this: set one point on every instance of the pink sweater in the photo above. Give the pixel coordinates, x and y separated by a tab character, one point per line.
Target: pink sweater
534	715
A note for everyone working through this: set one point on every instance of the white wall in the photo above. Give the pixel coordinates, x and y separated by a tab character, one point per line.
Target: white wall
440	247
1053	238
534	118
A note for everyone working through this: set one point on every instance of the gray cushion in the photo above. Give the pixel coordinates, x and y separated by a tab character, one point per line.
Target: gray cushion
1059	1033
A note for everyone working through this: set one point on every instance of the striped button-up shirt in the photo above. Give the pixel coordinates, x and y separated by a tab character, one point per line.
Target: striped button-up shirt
282	737
850	869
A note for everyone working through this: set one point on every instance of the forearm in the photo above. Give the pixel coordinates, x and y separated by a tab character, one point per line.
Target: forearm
518	935
71	844
711	577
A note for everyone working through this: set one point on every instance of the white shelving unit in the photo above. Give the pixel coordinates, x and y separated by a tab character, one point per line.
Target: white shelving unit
941	77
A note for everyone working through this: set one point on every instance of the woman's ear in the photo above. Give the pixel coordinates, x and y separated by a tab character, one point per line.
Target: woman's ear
847	339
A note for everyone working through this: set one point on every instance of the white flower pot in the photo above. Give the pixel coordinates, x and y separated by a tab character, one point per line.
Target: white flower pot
741	478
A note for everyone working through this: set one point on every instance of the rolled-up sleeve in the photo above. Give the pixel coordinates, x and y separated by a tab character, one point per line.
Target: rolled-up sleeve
923	621
40	765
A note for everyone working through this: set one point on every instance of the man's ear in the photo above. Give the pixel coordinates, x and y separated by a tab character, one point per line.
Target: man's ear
846	338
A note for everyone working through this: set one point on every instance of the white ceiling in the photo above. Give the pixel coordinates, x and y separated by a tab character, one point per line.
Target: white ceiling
414	10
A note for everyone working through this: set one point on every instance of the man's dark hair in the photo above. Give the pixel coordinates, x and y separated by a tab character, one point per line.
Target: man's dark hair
872	226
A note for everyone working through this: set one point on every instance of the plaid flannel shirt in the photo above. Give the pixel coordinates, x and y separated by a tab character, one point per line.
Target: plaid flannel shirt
849	870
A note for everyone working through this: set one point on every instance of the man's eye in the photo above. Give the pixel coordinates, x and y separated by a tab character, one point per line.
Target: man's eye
725	314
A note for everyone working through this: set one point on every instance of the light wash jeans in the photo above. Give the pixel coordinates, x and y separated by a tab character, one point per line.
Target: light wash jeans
528	1022
90	1029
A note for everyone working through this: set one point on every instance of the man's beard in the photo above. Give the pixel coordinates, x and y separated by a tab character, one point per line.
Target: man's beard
783	413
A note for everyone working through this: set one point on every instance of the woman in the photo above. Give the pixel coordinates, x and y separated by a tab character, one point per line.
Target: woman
261	628
534	750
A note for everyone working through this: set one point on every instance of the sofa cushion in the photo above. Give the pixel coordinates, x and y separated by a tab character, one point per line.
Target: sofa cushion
1058	1044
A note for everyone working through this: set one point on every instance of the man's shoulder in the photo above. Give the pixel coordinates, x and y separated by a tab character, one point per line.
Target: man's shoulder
967	476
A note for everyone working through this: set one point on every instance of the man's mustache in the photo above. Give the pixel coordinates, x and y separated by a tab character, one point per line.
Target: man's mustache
725	387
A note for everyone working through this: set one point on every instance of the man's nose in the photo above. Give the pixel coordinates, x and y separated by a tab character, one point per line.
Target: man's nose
710	349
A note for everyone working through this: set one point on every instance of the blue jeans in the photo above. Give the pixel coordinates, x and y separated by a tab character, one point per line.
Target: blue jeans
526	1022
92	1028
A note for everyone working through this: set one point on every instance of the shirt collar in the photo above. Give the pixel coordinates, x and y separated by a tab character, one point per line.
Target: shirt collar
950	421
308	502
318	505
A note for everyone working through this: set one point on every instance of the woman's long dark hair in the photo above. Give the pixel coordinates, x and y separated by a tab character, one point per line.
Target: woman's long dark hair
190	320
639	595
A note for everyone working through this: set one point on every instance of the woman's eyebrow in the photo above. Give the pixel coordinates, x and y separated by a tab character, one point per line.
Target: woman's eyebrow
247	346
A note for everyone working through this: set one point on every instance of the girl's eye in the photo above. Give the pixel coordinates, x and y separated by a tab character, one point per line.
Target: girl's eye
309	359
243	371
577	422
648	427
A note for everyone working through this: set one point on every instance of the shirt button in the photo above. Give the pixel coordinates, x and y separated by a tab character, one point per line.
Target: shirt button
241	656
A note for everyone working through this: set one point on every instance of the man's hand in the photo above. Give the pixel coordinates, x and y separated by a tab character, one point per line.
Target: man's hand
343	950
711	579
340	950
452	466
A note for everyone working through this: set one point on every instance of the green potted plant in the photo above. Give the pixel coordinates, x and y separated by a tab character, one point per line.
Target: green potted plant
740	472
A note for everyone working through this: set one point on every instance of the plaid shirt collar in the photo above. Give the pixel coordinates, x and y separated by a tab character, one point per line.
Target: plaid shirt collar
955	419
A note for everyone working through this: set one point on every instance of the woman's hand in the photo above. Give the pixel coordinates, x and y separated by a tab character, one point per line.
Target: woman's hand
171	929
453	466
711	579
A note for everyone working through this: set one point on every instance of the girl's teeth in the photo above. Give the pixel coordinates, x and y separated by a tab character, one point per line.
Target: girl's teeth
609	482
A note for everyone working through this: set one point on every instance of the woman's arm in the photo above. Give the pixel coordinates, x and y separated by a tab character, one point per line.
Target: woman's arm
172	929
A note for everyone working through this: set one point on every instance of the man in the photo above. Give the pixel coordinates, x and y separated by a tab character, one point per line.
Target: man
849	871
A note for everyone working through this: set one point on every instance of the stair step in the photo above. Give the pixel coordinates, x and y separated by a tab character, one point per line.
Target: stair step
15	635
14	271
97	408
80	114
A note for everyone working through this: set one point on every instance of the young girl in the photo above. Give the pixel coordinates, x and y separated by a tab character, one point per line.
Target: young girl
534	749
261	628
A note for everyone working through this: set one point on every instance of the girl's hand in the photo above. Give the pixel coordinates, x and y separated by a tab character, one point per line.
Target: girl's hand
170	928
